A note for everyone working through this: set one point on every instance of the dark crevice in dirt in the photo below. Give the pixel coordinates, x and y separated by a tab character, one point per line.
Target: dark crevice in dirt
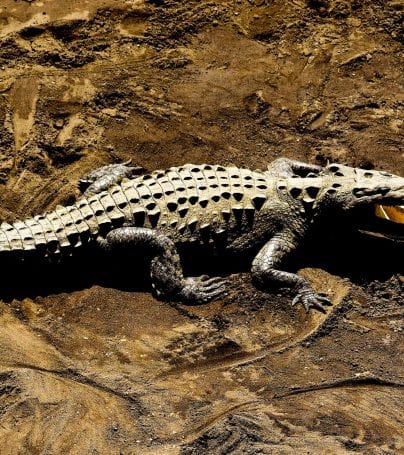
354	381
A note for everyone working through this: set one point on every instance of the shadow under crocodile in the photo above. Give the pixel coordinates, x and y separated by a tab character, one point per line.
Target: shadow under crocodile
340	251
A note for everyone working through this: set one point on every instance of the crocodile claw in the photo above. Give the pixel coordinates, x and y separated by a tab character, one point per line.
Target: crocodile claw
202	289
309	299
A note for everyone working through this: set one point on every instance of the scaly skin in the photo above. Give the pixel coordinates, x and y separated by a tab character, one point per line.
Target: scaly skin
233	209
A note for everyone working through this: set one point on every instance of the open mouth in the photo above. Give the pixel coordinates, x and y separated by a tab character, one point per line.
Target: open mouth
394	214
385	222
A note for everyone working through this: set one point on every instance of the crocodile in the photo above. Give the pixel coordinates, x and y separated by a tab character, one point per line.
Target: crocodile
234	210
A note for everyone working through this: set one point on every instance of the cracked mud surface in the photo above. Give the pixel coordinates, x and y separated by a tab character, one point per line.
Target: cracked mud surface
90	362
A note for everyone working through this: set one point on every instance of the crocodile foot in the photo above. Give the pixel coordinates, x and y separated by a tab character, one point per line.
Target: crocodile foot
201	289
310	299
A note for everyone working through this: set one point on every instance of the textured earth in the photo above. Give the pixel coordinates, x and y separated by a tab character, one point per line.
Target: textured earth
90	362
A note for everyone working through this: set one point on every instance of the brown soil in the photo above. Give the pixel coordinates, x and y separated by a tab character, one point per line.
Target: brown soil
91	365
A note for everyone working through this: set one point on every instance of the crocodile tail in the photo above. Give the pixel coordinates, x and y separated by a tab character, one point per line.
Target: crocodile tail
49	234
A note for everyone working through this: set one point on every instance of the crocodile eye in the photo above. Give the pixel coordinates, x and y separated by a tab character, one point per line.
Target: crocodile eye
359	192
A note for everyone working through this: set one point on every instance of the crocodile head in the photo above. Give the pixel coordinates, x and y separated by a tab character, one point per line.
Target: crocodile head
349	188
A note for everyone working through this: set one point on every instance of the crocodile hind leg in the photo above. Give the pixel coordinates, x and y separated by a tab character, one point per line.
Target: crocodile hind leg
265	270
165	268
102	178
284	167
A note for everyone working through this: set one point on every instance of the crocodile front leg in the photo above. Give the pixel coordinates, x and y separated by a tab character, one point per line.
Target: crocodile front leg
165	269
265	270
102	178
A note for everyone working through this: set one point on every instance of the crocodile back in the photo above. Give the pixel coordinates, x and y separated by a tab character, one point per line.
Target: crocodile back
190	202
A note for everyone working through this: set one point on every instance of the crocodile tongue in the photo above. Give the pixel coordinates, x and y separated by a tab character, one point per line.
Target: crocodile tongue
388	223
394	214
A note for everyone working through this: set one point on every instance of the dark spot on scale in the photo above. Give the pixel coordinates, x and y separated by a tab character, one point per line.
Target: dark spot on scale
259	201
339	174
192	224
312	191
238	213
193	200
183	211
154	217
336	185
295	192
172	206
226	215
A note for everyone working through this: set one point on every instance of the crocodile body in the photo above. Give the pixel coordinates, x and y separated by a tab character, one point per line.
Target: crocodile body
232	209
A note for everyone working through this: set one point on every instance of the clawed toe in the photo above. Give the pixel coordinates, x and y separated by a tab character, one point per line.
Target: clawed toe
309	299
202	289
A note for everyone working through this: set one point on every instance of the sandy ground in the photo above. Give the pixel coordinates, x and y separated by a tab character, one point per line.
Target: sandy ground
90	362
